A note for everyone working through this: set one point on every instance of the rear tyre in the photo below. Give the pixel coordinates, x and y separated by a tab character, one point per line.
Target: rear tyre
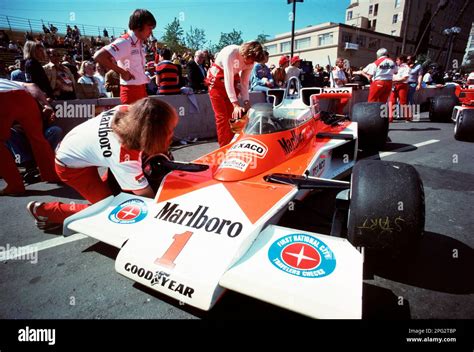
387	208
372	126
464	127
441	108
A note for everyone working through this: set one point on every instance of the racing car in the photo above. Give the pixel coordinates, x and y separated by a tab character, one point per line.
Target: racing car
463	115
214	223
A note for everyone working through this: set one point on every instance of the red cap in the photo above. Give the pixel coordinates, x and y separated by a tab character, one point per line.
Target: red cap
295	59
283	60
150	64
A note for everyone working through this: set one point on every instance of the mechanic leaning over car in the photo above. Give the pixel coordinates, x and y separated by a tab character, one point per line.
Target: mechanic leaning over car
114	139
233	64
21	102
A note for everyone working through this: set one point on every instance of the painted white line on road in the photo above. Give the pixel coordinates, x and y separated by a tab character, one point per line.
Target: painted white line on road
18	252
421	144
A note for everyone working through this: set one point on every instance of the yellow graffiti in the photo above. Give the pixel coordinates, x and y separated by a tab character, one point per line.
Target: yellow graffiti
385	225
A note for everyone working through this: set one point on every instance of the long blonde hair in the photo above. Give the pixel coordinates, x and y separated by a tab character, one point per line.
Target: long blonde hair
147	126
29	49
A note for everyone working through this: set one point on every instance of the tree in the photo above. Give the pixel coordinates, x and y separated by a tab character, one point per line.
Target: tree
195	38
173	36
262	38
234	37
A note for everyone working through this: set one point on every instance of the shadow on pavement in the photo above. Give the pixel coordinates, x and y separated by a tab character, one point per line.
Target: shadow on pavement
104	249
381	303
441	264
446	179
415	129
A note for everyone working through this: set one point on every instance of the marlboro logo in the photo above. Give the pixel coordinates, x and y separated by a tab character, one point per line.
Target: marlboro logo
199	219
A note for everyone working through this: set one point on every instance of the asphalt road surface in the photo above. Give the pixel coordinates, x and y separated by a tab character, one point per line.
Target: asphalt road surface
77	279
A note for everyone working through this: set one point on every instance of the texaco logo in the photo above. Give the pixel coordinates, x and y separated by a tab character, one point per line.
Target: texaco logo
302	255
129	212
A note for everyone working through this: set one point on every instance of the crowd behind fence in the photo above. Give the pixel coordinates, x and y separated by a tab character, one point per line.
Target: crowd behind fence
13	23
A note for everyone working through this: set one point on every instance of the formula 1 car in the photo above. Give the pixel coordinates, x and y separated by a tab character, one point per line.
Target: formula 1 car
463	116
213	224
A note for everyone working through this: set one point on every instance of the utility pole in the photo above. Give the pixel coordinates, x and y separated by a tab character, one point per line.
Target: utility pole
293	19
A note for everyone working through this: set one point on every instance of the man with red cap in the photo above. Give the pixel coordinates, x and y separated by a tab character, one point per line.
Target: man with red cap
294	69
380	72
279	73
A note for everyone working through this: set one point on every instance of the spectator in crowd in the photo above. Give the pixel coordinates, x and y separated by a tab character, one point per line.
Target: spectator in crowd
19	74
279	73
146	127
125	57
151	87
100	76
12	47
87	85
294	69
233	63
167	74
261	79
106	34
338	77
34	53
380	72
60	78
400	85
427	79
4	39
19	102
414	79
197	72
69	62
46	29
112	83
52	28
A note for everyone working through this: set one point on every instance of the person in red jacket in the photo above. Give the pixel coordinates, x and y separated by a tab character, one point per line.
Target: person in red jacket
21	102
233	64
400	87
114	139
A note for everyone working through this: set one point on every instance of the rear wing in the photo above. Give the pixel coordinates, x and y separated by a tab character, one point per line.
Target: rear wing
294	91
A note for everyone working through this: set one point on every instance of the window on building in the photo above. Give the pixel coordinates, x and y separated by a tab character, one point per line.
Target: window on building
394	31
284	47
346	37
325	39
374	43
397	3
376	9
361	40
349	15
302	43
395	18
374	24
371	9
272	49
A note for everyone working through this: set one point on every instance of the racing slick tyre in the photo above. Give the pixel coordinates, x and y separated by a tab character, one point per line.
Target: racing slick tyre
464	127
442	107
372	127
387	207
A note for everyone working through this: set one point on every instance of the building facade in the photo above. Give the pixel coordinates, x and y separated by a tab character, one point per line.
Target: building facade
408	19
333	40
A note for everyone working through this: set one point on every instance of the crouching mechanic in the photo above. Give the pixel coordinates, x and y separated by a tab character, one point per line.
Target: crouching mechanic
114	139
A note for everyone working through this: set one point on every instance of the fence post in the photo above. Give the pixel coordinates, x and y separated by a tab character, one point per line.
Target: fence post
9	25
31	28
83	31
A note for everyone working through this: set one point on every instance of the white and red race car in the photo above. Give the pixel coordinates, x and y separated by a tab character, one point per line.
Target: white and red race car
213	224
463	115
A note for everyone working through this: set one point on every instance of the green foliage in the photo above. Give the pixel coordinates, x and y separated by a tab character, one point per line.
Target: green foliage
173	36
195	39
234	37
